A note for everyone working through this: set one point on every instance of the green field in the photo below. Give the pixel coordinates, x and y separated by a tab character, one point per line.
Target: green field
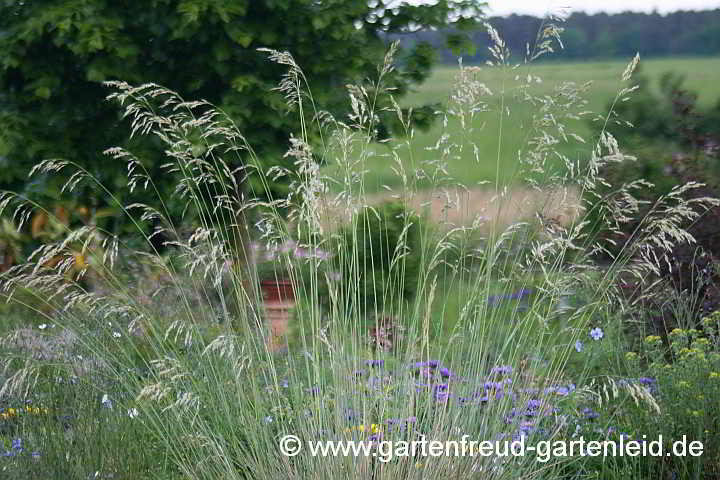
497	152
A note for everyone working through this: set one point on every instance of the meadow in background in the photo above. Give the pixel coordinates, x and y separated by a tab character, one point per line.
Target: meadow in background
155	363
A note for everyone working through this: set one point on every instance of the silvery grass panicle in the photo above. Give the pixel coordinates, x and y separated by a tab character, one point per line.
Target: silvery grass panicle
212	394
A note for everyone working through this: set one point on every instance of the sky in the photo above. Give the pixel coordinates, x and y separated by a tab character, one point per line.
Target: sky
541	7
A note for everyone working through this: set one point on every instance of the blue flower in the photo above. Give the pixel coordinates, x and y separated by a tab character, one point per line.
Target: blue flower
428	364
562	391
17	444
579	346
494	300
590	413
520	294
596	333
442	396
502	369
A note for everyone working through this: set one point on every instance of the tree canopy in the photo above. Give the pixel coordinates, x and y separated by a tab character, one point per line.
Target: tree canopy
56	54
599	35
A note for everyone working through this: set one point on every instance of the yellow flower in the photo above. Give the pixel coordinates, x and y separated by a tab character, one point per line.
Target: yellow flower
714	375
374	428
4	416
684	351
677	331
650	339
12	412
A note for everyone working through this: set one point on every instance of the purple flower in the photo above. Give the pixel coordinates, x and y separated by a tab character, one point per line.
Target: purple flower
442	396
376	437
520	294
579	346
17	444
445	372
590	413
534	404
502	369
428	364
650	383
596	333
425	372
35	454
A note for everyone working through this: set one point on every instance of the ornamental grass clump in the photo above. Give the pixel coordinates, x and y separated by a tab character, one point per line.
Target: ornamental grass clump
189	351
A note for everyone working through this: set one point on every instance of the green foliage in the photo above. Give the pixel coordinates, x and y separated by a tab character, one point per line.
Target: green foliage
383	248
601	35
666	113
686	385
55	56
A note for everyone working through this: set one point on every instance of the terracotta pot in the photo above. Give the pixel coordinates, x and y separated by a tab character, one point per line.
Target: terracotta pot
279	299
277	290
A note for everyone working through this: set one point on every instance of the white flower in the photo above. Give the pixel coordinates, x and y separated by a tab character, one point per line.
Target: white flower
107	403
43	326
117	334
132	413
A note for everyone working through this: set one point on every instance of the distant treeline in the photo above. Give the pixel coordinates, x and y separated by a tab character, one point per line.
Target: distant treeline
597	36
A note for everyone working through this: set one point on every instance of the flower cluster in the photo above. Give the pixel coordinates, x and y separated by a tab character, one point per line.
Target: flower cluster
17	449
431	388
9	413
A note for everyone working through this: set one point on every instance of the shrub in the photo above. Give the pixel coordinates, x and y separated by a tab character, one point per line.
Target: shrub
382	248
684	378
